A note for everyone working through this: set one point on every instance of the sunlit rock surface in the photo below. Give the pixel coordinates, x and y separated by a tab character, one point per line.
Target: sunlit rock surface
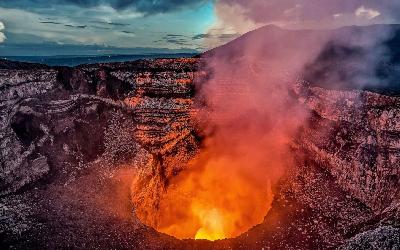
72	138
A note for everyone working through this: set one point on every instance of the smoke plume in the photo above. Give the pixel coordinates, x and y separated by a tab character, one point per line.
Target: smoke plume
349	57
248	112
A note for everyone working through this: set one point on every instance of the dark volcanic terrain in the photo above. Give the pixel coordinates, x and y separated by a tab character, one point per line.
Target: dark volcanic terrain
73	139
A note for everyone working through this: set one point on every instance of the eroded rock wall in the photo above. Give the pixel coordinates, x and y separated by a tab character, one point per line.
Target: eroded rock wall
355	136
69	109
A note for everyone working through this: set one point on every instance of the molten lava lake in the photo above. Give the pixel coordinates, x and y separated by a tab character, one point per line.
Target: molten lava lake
211	201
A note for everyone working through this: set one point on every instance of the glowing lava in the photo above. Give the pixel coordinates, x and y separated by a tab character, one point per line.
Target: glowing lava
212	224
212	203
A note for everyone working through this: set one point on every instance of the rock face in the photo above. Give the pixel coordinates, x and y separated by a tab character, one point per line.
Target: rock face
66	132
380	238
355	136
21	135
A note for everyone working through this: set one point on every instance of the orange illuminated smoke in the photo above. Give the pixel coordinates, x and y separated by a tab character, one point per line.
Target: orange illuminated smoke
213	200
248	115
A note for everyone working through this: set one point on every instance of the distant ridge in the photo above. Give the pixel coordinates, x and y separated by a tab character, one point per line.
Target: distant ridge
8	64
72	61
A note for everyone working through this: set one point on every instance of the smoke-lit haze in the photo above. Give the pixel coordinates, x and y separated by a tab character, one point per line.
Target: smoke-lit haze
248	112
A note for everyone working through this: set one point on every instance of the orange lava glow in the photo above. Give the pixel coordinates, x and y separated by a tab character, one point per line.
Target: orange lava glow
211	203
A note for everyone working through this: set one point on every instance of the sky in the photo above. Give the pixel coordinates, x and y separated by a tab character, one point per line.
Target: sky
91	27
35	27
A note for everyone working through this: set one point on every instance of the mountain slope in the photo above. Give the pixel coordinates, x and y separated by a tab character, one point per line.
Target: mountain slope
334	59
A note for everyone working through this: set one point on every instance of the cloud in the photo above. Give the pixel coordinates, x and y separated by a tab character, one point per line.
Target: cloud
100	27
315	14
50	22
367	13
143	6
200	36
103	22
358	52
2	36
21	22
65	24
222	37
110	23
95	26
174	35
75	26
128	33
240	16
178	41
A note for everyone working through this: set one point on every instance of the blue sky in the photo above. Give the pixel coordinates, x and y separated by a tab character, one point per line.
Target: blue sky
33	27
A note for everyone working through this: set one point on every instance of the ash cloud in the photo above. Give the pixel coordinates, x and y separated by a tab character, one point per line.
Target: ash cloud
248	109
356	58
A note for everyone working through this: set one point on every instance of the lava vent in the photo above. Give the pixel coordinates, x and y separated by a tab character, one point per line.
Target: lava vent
215	199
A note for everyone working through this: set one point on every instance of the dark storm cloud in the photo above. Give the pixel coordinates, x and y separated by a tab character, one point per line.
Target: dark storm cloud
143	6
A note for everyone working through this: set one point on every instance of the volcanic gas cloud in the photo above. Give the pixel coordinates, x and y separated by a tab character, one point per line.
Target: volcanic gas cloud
248	118
248	114
227	188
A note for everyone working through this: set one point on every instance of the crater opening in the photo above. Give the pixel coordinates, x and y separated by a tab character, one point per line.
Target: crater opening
215	198
247	117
